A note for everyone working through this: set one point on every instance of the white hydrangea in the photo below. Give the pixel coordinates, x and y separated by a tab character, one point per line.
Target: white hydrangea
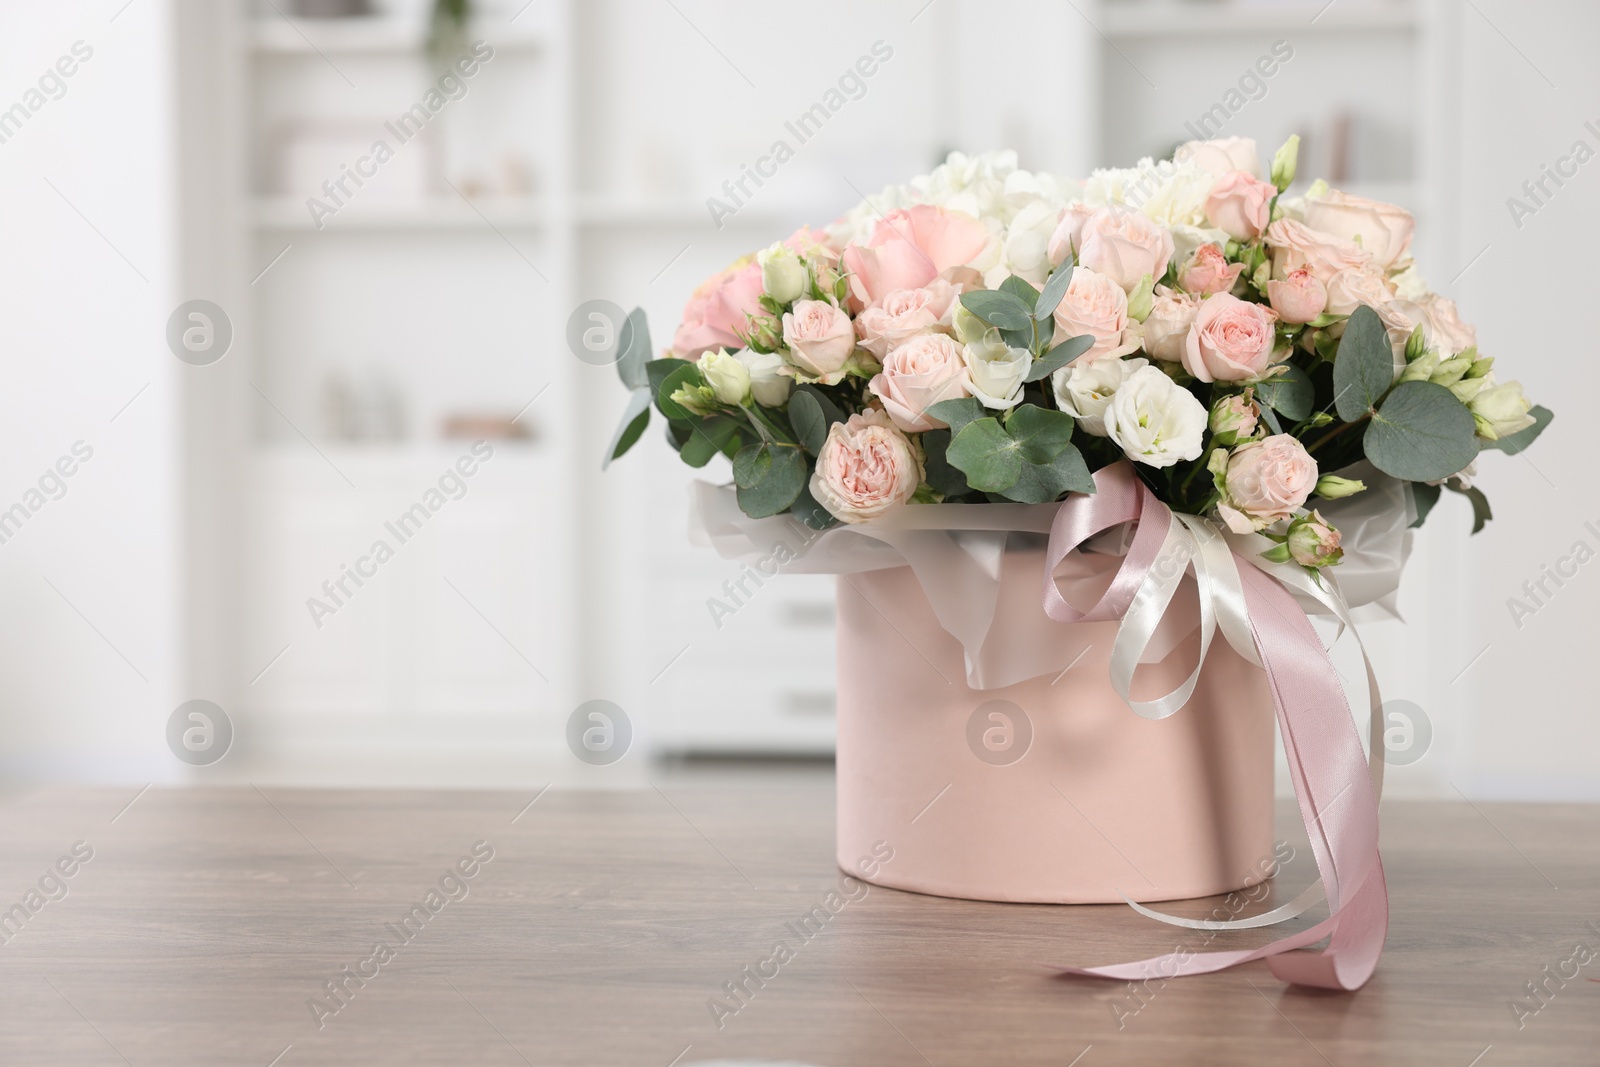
1173	194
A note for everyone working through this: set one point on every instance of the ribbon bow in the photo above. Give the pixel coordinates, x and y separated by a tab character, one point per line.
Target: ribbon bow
1255	607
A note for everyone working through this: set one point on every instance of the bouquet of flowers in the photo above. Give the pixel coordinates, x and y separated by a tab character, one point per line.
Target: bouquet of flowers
986	334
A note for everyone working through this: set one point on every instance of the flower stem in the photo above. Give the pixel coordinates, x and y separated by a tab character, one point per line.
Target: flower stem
1336	431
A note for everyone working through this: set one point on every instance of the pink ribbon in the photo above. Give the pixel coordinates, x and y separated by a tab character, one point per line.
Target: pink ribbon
1326	762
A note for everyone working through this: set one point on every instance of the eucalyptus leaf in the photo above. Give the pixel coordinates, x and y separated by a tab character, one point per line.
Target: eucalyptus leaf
1041	483
1022	290
1424	496
830	410
999	308
656	371
957	413
1059	357
633	350
709	438
810	424
632	425
813	514
937	469
1290	393
1481	514
987	455
1270	417
1513	443
1364	367
1040	433
770	480
689	375
1055	287
1422	433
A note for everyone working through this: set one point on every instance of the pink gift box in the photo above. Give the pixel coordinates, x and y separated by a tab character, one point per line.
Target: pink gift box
1048	790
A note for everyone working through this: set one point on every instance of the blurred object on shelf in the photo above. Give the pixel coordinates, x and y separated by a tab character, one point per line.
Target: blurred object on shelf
447	32
516	176
330	9
483	426
368	409
308	156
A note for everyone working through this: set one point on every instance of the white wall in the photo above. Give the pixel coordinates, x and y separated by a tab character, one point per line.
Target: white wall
86	295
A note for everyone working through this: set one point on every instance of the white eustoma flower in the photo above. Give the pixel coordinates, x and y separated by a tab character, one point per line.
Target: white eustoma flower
1156	421
1084	388
997	372
768	384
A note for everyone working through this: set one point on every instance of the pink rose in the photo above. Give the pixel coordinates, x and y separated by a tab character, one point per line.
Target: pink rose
911	247
903	314
1064	241
1231	340
1096	305
917	375
1297	298
1221	155
820	337
866	467
1446	331
1208	271
1240	205
1265	482
1124	245
717	314
1382	230
1166	328
1296	246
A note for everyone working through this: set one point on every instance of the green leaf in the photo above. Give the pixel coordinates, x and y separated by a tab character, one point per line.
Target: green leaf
810	424
1425	496
710	437
634	420
1513	443
633	350
1481	514
1040	433
1277	554
1290	394
991	460
1364	367
656	371
999	308
813	514
957	412
1022	290
1041	483
937	469
1421	433
1055	287
769	478
830	410
1059	357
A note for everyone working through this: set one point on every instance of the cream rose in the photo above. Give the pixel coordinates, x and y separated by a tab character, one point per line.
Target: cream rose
1084	390
1382	230
1265	482
820	337
1296	246
1221	155
917	375
1231	340
1166	328
1240	205
903	314
866	467
1154	420
1096	305
1124	245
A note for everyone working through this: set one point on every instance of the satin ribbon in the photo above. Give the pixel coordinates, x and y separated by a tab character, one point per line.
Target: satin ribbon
1255	608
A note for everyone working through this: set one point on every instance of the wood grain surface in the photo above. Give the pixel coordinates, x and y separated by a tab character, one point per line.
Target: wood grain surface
207	920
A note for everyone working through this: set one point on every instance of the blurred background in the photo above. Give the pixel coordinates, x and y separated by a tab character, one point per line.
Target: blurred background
367	316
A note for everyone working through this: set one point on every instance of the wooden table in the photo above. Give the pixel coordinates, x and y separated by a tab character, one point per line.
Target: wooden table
207	920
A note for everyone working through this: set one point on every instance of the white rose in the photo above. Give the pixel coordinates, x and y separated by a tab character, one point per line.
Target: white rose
1156	421
1084	390
726	375
783	274
1222	155
768	384
997	373
1025	247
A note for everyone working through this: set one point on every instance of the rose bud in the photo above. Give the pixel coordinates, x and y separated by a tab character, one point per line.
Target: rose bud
1234	418
1333	487
1313	543
1208	272
1298	298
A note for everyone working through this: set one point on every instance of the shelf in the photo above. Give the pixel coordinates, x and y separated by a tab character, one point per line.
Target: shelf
1155	19
682	212
436	213
369	36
